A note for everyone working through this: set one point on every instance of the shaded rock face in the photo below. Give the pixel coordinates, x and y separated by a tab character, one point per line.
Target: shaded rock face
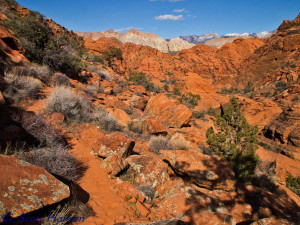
286	130
26	188
139	38
204	171
9	46
173	115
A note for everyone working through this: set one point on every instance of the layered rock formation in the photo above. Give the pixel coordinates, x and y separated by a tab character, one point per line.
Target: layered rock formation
139	38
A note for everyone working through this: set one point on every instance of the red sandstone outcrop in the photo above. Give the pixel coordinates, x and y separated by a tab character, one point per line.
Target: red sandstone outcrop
25	188
173	115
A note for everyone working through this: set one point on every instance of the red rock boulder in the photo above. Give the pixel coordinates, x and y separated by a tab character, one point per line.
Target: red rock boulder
174	115
25	188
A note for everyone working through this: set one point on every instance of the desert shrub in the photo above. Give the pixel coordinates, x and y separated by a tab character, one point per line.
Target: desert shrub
281	85
293	183
211	111
158	143
110	55
56	161
176	91
231	90
104	75
248	88
296	98
21	87
74	107
105	120
61	52
166	87
147	191
42	73
179	142
189	99
137	126
199	114
39	128
92	90
140	78
60	79
92	58
235	141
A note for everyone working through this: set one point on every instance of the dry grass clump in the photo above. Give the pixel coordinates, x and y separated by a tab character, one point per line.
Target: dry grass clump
137	126
56	161
158	143
60	79
21	87
71	209
75	107
38	127
179	142
42	73
104	75
105	120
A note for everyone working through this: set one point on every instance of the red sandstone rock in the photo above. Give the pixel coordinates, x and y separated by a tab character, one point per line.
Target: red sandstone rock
155	126
147	170
25	188
174	115
114	143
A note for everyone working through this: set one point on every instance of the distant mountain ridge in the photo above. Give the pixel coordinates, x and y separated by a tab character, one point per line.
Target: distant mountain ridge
146	39
175	44
198	39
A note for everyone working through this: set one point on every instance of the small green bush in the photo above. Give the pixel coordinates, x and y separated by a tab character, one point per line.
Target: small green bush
110	55
235	141
281	85
296	98
61	52
140	78
199	114
190	100
166	87
231	90
93	58
176	91
211	111
293	183
248	88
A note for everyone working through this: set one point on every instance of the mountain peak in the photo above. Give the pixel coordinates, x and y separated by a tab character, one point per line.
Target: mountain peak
135	31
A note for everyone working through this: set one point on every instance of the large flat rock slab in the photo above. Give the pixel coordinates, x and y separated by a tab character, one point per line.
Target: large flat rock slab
25	188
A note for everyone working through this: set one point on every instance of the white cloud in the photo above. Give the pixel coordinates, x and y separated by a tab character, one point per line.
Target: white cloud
178	10
169	17
126	29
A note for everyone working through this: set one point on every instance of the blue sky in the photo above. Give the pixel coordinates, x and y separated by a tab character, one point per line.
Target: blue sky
168	18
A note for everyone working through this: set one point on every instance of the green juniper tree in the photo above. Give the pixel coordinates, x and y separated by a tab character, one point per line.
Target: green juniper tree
235	140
